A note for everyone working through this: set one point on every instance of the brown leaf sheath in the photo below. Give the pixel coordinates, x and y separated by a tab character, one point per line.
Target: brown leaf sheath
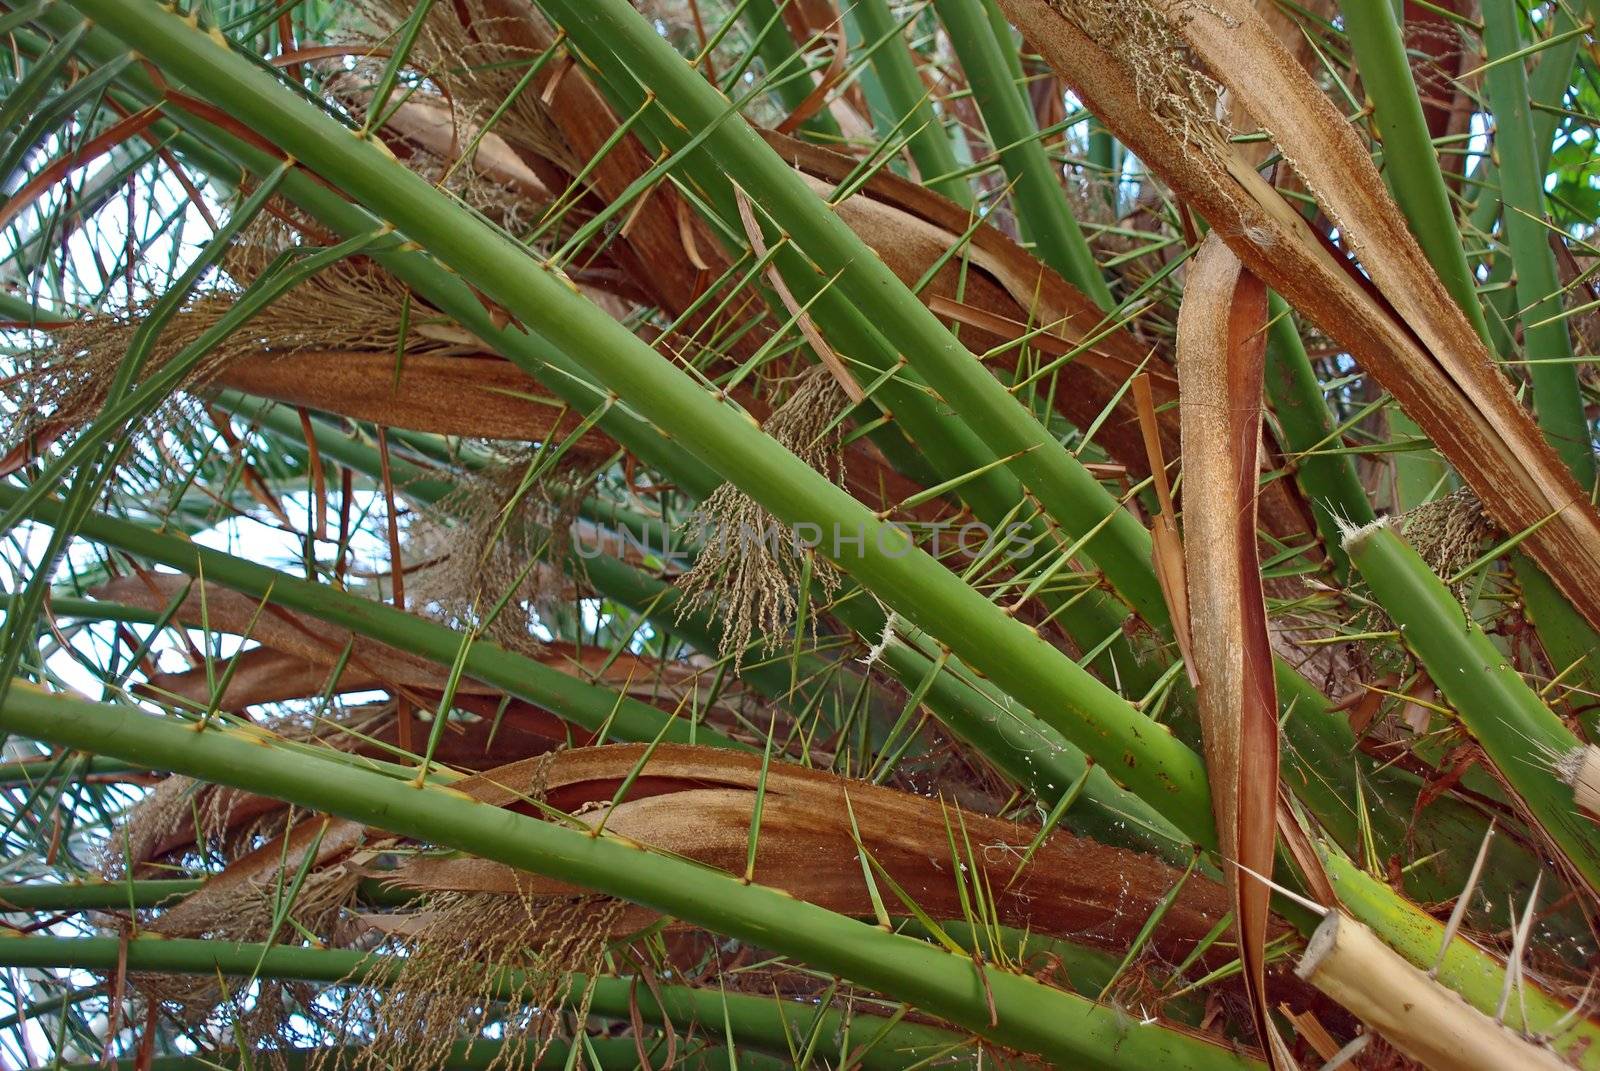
1221	356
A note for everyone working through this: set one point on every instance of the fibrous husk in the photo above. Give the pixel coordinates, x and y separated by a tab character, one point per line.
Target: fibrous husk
497	533
750	564
476	396
477	950
1447	532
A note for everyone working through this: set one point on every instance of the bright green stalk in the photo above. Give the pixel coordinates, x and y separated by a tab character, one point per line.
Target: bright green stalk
1547	342
1569	643
761	1022
1103	161
1420	475
149	893
1029	669
95	895
1043	212
576	700
1521	735
90	609
1468	969
907	95
1146	756
1411	165
1328	480
1026	1014
1547	89
785	64
1007	41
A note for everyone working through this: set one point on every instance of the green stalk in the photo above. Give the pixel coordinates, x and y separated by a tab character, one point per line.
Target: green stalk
614	1054
1467	969
1570	644
1146	756
1328	480
1043	212
95	895
89	609
1547	342
907	95
1547	88
36	771
785	62
576	700
1521	735
1104	163
149	893
1411	165
761	1022
1006	1008
1032	672
1420	475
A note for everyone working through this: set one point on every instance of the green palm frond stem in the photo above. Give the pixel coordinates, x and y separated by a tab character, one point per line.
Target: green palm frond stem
1003	1007
39	771
1570	644
580	702
1069	493
1547	89
786	64
763	1023
1411	164
149	893
1144	755
1478	976
1521	736
1043	214
1306	424
1122	548
906	95
1547	341
613	1054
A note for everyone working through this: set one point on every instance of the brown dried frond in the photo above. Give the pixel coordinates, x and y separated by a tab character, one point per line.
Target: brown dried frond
491	536
1169	83
750	564
482	959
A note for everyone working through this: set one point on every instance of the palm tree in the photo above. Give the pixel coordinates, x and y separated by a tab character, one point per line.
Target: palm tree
799	534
